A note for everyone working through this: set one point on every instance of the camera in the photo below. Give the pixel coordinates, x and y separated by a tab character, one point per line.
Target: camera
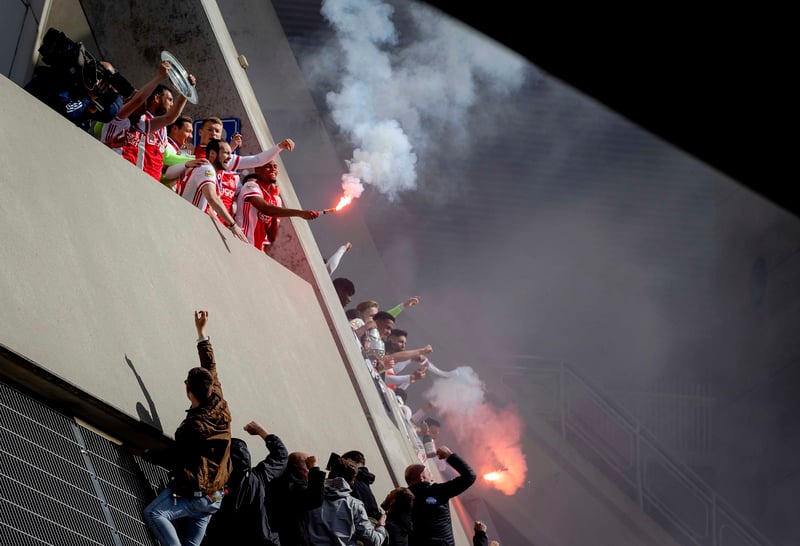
75	84
71	58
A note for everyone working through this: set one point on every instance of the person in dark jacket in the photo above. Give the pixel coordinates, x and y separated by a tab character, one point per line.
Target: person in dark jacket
361	487
292	495
431	511
398	504
199	461
243	514
480	538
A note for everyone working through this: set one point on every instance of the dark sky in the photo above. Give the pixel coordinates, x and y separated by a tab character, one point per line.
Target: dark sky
539	226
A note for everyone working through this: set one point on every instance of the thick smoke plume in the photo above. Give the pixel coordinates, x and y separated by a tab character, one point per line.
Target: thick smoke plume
398	95
489	436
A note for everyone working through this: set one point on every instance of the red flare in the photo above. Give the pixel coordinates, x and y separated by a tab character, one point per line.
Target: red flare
343	202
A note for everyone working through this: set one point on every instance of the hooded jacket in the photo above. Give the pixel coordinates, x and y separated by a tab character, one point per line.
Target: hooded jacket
243	513
199	461
362	491
431	511
342	519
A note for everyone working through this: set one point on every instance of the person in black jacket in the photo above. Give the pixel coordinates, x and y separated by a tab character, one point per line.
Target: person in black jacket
398	504
243	514
431	511
480	538
361	487
292	494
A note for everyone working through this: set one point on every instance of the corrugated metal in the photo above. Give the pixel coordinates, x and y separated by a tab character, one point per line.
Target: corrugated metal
64	484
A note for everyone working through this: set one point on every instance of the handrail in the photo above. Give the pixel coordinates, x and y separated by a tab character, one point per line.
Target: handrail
646	471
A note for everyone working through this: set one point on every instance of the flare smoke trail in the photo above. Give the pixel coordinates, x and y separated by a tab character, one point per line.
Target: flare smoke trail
398	97
491	437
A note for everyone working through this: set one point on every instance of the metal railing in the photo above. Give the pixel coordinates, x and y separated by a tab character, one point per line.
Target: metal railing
627	453
61	483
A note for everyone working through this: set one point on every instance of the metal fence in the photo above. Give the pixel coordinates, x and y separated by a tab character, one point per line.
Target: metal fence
627	453
63	484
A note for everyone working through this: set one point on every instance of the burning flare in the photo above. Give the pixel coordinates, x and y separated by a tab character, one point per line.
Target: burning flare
352	189
493	476
343	202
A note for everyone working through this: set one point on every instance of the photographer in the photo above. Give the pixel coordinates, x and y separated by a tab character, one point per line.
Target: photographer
75	84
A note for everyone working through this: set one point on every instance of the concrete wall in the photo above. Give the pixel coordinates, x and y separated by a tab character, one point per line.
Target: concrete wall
102	269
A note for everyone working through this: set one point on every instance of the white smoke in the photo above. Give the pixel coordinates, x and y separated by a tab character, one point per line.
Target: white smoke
490	436
397	97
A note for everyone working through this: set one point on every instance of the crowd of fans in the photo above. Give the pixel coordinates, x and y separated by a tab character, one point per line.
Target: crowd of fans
215	492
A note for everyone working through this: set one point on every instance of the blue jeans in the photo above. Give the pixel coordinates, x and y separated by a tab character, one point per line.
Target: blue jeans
195	513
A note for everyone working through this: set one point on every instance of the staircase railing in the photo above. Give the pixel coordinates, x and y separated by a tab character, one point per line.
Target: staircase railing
632	457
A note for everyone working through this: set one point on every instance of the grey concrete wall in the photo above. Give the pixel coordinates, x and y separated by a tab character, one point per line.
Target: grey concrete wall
102	269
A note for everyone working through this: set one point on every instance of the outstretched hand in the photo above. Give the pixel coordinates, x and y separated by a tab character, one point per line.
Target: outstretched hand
200	321
286	144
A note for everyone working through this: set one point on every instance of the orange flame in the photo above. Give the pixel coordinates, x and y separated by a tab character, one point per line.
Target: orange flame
492	476
344	201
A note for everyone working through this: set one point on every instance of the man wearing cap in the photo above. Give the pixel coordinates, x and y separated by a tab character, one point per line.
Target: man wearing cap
431	511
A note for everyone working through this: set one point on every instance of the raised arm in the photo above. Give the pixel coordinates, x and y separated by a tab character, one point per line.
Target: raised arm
159	122
204	349
262	158
397	309
280	212
333	261
138	98
200	321
410	354
480	538
466	476
275	462
405	381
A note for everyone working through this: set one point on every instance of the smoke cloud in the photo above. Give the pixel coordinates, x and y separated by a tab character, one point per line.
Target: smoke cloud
397	98
489	436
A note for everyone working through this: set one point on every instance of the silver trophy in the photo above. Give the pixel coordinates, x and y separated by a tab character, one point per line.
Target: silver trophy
179	77
374	348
